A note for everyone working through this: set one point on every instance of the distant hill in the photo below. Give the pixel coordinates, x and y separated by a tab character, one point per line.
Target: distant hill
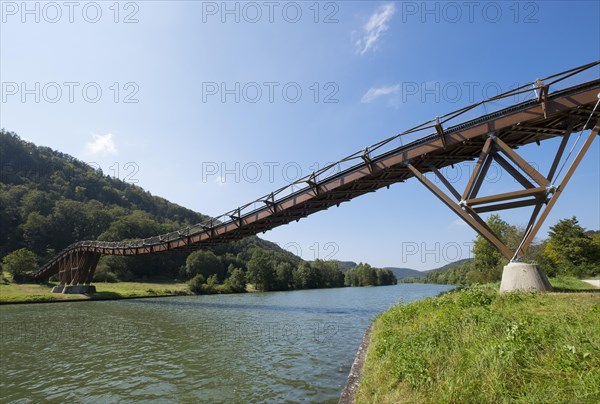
453	273
448	266
402	273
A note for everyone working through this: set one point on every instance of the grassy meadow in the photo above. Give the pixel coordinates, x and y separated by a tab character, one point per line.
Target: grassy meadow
474	345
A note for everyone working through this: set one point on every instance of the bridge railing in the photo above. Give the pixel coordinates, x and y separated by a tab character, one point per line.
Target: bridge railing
538	89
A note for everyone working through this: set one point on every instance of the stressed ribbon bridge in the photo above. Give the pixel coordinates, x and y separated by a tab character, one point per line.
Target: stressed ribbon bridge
494	137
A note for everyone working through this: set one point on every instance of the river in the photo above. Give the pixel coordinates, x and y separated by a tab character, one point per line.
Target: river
258	347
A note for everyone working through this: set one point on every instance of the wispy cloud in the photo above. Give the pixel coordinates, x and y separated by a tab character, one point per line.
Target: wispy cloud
102	145
377	25
375	92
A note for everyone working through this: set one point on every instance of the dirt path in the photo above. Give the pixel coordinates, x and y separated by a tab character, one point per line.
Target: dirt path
594	282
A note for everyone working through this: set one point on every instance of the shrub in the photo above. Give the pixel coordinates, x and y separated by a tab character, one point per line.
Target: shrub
20	262
237	280
197	284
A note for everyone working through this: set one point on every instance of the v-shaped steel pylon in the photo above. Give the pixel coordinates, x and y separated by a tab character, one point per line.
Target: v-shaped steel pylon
542	193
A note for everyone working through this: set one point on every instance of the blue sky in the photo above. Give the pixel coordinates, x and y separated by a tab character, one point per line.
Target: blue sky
213	104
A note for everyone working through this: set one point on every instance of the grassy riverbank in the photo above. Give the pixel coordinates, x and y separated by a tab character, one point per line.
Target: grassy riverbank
14	293
474	345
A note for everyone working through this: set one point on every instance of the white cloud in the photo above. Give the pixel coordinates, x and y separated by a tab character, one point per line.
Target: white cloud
377	25
102	145
376	92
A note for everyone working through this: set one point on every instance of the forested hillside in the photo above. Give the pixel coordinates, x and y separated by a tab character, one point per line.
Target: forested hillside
49	200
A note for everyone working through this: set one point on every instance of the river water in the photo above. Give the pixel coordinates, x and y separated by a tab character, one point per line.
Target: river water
259	347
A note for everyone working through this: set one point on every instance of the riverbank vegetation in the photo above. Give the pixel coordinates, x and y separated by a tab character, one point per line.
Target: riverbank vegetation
266	272
475	345
365	275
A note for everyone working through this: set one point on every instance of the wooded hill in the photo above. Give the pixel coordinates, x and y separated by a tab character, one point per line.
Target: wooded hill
49	200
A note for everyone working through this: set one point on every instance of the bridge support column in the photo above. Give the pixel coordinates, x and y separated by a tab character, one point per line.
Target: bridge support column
522	277
75	273
539	192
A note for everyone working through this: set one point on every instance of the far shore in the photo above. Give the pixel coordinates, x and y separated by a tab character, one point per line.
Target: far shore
29	293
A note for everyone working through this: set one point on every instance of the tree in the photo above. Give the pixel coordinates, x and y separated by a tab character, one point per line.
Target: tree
260	270
197	284
35	232
283	275
487	257
202	262
570	250
385	277
137	224
330	274
305	276
117	265
20	262
36	201
236	280
365	275
212	280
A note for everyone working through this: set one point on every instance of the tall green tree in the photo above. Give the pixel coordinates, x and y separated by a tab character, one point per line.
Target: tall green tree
570	250
203	262
35	232
306	277
283	275
236	279
20	262
487	257
330	274
261	271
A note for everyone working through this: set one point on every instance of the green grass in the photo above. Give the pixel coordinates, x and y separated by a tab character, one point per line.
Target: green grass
569	284
13	293
477	346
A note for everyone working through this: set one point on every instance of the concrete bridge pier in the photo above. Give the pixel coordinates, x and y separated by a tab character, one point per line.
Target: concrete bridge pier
76	272
522	277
